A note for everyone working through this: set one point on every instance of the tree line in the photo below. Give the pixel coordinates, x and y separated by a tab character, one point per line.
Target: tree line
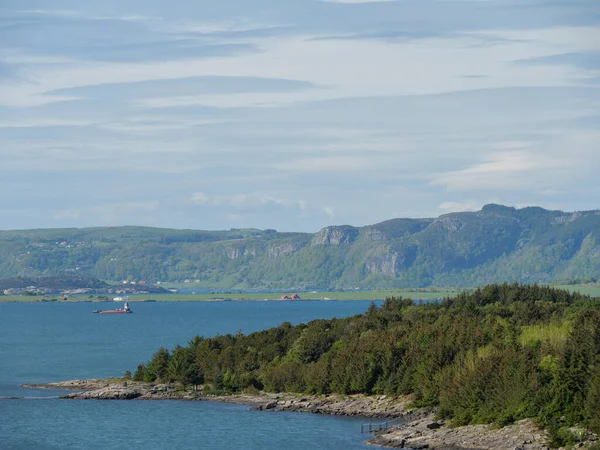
498	354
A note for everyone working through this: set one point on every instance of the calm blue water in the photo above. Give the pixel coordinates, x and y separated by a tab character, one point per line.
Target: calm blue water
43	342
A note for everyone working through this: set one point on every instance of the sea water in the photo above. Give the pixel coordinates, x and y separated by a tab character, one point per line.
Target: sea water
45	342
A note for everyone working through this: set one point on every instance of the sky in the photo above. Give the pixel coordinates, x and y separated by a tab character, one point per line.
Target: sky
294	114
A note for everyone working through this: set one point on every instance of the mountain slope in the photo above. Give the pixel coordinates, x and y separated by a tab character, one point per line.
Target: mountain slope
495	244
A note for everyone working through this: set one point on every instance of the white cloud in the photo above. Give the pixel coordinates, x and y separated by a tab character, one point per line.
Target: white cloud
156	126
558	39
254	100
217	26
116	213
46	122
357	1
360	125
15	57
67	214
49	12
202	199
329	211
346	67
246	201
512	145
458	206
551	192
70	13
502	170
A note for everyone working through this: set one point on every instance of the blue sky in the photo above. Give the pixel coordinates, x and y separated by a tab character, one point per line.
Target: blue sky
294	114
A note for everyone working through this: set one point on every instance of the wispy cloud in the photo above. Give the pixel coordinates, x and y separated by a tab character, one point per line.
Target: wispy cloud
48	12
107	213
246	201
458	206
328	164
46	123
216	27
278	115
357	1
156	125
502	170
582	60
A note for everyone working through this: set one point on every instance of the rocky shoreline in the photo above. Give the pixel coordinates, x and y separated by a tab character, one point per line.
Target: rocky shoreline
415	430
380	407
428	433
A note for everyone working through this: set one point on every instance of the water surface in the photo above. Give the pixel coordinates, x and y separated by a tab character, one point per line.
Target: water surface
43	342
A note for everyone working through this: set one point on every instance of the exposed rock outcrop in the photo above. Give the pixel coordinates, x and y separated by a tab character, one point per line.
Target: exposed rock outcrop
107	393
335	236
392	262
77	385
381	407
426	432
285	249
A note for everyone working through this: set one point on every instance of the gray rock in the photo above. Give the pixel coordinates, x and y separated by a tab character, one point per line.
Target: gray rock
109	393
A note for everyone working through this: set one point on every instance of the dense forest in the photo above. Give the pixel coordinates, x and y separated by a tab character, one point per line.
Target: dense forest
463	249
496	355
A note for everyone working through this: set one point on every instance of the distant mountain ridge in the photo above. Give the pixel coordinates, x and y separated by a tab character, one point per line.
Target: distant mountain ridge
496	244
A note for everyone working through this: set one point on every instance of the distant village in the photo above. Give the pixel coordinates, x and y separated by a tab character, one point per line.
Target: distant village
33	290
125	288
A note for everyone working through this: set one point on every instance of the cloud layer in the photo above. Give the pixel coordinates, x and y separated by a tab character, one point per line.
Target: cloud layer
280	115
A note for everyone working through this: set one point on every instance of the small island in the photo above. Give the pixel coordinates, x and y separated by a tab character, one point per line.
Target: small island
504	366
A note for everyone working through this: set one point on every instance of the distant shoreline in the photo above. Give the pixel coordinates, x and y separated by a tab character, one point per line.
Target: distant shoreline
417	294
369	295
243	296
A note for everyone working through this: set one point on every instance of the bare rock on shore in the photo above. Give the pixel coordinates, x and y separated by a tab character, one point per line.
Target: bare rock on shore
381	407
130	390
421	433
74	385
113	392
418	430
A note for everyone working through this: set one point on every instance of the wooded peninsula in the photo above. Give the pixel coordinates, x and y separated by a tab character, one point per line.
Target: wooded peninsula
495	355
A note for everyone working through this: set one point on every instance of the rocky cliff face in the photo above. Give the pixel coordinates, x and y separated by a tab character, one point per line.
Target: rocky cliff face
392	262
335	236
289	248
373	234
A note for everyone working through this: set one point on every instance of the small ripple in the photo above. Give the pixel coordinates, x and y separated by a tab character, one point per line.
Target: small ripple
18	397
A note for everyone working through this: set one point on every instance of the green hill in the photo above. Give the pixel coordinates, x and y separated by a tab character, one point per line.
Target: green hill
495	244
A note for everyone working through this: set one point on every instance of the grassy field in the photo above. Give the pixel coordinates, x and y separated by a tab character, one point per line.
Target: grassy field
237	295
417	294
324	295
592	290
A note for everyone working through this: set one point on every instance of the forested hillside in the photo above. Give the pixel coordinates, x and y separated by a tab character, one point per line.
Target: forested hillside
495	244
498	354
